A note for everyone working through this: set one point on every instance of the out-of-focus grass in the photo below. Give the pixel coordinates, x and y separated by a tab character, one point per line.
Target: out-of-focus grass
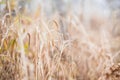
38	49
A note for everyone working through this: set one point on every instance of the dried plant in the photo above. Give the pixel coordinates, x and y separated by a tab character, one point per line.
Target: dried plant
35	47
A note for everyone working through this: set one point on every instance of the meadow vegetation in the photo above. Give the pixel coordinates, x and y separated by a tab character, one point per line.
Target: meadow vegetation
60	47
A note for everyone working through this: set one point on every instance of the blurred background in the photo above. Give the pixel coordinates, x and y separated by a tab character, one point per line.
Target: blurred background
85	8
103	7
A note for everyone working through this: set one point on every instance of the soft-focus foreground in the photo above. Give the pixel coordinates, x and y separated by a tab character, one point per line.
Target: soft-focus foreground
60	45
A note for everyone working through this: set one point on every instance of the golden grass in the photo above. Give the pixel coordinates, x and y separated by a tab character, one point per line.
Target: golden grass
61	48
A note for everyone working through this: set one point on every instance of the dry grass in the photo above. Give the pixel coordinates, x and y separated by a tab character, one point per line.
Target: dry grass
60	48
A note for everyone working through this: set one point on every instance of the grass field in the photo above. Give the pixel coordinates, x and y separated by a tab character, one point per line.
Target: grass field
59	47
